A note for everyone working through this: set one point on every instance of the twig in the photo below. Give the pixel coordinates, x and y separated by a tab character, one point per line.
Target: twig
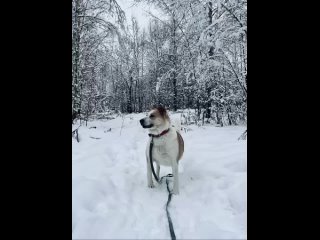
77	133
243	136
95	137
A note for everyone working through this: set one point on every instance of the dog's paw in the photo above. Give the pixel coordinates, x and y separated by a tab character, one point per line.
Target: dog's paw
150	185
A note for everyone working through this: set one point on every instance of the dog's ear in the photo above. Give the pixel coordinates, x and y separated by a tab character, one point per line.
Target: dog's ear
162	111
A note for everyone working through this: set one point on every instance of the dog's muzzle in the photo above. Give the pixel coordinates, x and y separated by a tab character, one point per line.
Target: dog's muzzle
144	125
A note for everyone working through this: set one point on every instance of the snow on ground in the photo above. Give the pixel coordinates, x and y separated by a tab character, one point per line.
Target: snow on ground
111	200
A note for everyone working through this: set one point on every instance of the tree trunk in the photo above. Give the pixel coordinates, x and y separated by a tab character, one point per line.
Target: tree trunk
210	22
174	59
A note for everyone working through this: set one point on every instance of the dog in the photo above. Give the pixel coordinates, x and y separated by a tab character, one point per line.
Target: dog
168	144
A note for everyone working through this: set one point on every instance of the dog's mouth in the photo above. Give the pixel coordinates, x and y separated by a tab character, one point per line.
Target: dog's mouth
147	126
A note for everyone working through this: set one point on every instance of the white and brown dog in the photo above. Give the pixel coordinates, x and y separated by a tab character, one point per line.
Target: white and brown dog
168	145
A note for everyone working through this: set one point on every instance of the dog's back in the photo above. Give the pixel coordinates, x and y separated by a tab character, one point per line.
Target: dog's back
177	126
181	145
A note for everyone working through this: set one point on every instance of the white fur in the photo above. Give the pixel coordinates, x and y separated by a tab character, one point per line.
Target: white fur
165	152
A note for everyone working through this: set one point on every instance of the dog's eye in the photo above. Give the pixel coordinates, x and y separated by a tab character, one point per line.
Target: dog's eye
151	116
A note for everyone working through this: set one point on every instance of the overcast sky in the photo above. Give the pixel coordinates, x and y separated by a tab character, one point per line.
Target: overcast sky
137	10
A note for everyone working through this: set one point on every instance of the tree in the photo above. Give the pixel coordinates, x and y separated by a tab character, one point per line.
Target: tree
90	27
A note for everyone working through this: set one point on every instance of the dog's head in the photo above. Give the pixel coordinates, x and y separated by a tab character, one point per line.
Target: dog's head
157	117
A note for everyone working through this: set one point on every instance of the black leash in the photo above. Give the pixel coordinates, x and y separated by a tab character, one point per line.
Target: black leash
150	155
173	236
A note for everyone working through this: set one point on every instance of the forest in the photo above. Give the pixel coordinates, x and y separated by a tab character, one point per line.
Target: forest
193	59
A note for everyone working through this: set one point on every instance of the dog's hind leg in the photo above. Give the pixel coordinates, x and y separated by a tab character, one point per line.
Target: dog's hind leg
158	171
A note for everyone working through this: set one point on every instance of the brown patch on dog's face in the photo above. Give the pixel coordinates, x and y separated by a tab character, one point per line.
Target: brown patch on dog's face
160	111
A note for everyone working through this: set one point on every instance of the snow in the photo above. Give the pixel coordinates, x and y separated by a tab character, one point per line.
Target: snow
111	200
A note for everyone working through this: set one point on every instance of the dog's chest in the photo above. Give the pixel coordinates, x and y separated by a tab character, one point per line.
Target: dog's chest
162	152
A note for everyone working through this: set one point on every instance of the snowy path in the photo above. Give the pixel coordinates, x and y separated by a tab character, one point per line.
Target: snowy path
111	200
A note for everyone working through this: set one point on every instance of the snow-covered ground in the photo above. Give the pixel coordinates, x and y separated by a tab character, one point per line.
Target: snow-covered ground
111	200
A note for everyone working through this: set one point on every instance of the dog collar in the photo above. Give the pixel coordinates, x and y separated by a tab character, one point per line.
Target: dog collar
159	135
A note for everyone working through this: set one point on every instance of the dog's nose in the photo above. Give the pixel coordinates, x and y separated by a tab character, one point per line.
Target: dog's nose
141	121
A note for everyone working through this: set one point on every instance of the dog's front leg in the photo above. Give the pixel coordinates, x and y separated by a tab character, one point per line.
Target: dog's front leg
149	174
175	172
